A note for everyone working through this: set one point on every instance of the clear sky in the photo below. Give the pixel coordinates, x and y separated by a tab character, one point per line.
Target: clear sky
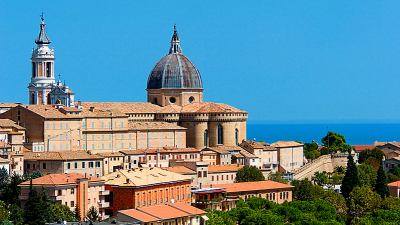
279	60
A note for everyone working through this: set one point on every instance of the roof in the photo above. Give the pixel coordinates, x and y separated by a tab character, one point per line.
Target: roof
224	168
123	107
110	154
60	156
160	150
143	177
59	179
180	169
154	126
394	184
8	105
247	154
209	107
283	144
174	70
360	148
162	212
42	38
5	123
252	186
222	149
47	111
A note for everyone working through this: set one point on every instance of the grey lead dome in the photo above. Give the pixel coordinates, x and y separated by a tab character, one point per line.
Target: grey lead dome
175	70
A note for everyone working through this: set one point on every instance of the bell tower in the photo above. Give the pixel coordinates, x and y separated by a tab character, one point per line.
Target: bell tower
42	77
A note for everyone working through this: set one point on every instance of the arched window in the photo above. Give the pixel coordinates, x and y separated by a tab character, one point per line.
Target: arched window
220	140
32	98
237	136
206	138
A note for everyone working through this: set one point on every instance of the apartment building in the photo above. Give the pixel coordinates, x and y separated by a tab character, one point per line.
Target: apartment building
72	190
224	196
12	137
79	162
267	154
290	155
144	187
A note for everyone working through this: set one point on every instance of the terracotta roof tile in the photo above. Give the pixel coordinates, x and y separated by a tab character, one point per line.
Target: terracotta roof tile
394	184
283	144
222	149
224	168
143	177
252	186
180	169
59	179
124	107
209	107
57	156
360	148
5	123
162	212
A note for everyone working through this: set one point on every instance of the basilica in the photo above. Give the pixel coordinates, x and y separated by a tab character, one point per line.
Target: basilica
174	101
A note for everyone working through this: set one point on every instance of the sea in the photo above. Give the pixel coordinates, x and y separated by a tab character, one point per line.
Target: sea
355	133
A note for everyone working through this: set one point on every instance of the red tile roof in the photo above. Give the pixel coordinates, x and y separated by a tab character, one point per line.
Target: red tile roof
252	186
162	212
224	168
59	179
394	184
360	148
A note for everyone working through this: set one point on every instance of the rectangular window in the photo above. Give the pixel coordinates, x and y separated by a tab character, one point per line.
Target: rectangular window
72	204
44	166
83	165
98	164
76	165
72	190
91	165
68	165
199	174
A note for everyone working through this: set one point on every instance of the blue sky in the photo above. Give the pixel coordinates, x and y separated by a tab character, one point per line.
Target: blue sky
279	60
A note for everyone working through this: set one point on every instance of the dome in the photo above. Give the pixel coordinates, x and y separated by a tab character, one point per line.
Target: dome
175	70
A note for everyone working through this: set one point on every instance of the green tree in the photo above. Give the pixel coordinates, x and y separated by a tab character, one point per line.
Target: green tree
37	208
335	142
4	178
4	213
92	214
16	214
77	213
338	201
362	200
62	212
366	175
320	178
305	190
249	173
350	179
12	190
262	218
311	150
381	180
375	154
278	177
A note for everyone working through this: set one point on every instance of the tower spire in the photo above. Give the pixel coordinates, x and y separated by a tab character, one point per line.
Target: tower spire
175	43
42	38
